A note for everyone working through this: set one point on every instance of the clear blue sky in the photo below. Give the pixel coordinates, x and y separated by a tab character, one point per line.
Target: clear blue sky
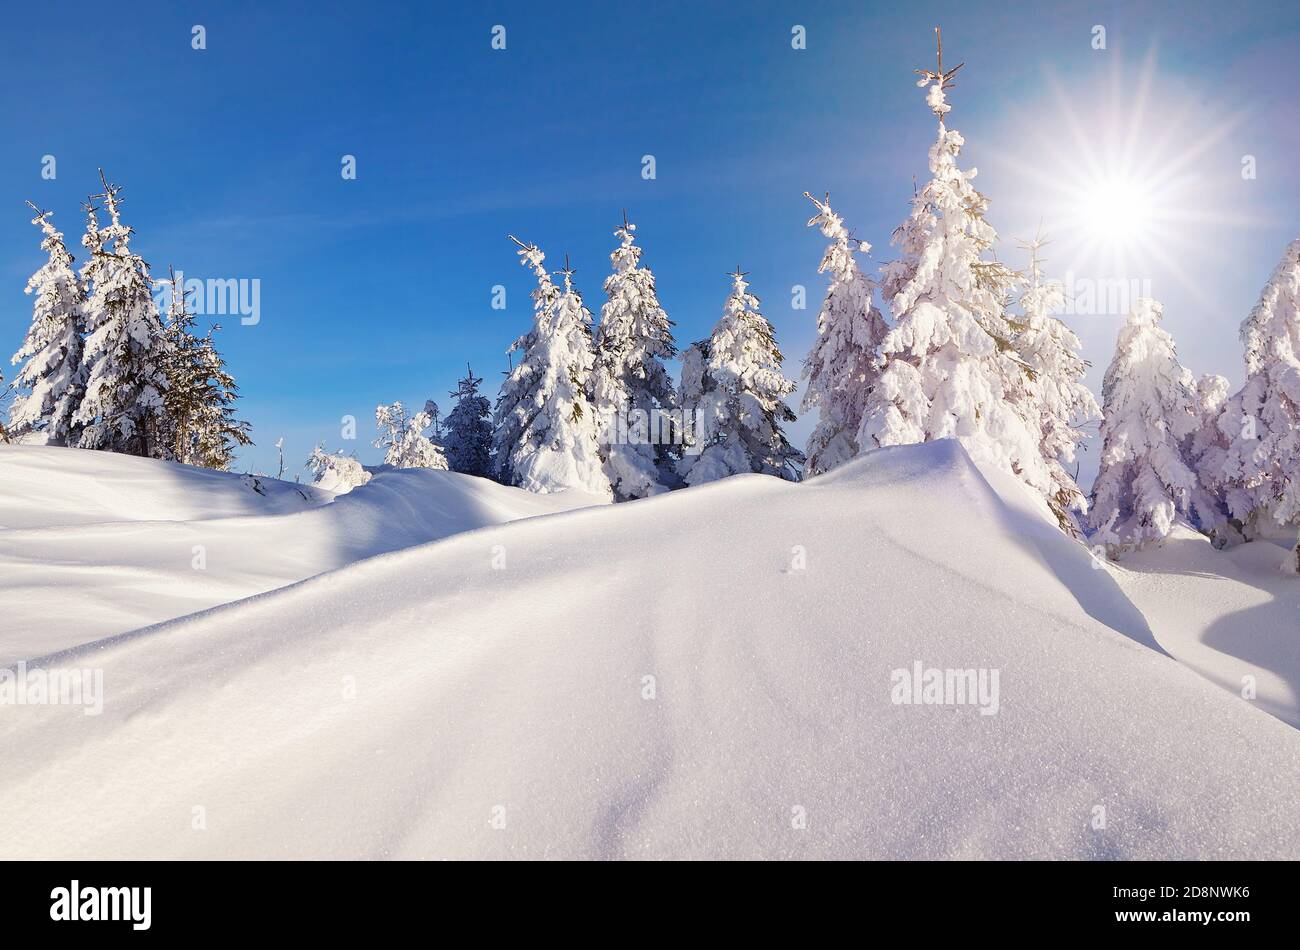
380	288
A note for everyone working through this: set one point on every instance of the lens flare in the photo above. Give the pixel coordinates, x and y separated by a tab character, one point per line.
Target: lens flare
1132	176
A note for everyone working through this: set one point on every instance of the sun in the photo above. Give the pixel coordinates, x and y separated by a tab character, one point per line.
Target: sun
1117	211
1130	174
1122	216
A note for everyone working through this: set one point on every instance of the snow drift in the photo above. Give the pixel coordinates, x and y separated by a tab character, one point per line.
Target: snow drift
1232	615
706	673
101	544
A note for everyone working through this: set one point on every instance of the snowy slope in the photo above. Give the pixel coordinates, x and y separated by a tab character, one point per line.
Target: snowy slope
98	544
428	703
1227	614
44	487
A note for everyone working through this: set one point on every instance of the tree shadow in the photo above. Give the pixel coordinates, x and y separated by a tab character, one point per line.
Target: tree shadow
1089	582
1086	578
1265	637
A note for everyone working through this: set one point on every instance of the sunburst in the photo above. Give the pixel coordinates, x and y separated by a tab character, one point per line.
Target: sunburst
1130	179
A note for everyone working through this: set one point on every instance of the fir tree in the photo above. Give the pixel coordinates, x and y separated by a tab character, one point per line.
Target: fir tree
841	368
403	437
1145	482
631	386
336	472
1206	452
546	437
185	396
949	364
52	376
1261	469
219	432
734	386
126	350
1060	400
201	393
469	429
690	396
434	428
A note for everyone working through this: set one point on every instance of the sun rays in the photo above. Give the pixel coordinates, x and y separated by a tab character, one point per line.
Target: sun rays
1133	177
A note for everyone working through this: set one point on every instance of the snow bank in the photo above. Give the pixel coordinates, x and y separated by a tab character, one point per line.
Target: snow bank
99	543
43	487
1232	615
706	673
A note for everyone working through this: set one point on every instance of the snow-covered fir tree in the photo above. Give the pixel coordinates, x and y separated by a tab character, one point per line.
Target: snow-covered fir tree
733	386
1145	482
1060	400
1206	452
690	395
404	439
1262	464
186	388
630	385
949	364
468	437
50	382
201	393
841	368
434	428
218	432
546	437
1211	400
336	472
126	350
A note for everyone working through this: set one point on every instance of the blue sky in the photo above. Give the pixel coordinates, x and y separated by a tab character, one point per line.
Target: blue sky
380	288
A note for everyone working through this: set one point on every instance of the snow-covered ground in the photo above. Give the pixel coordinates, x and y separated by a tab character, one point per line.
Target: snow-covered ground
706	673
1233	616
93	544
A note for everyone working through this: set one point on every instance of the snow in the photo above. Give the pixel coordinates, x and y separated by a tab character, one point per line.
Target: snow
948	368
841	367
1261	466
47	487
120	533
402	436
629	382
1060	403
1226	614
52	348
546	435
126	351
1145	482
733	387
486	694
